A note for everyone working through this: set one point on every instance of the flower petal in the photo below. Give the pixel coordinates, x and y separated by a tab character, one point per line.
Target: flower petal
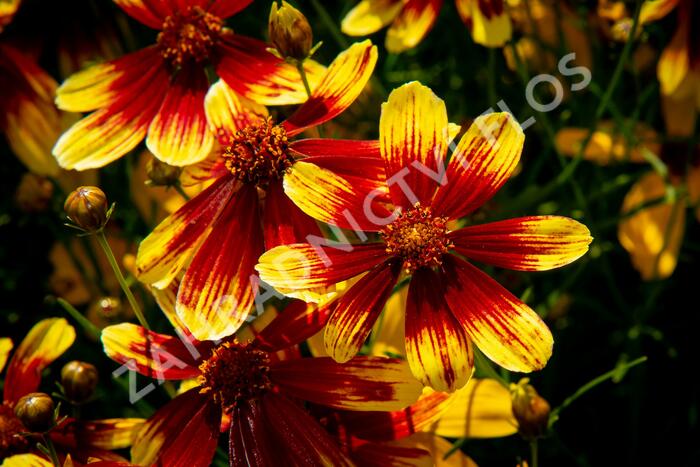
413	137
370	16
331	198
294	325
437	347
412	24
227	111
5	349
44	343
442	452
482	409
505	329
606	146
283	222
114	130
674	62
168	248
357	311
343	82
298	436
249	440
303	266
144	12
534	243
488	21
109	433
152	354
485	157
26	460
652	236
216	292
182	433
250	70
179	134
375	454
227	8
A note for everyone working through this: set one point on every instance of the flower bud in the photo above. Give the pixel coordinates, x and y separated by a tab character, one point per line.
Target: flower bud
87	208
161	174
79	380
530	410
290	31
33	193
36	411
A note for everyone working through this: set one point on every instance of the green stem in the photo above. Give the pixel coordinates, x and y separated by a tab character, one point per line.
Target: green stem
181	191
534	453
86	324
304	79
52	451
120	277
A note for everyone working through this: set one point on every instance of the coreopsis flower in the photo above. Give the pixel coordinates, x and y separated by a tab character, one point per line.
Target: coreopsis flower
410	21
451	304
220	233
158	93
252	389
28	117
652	224
44	343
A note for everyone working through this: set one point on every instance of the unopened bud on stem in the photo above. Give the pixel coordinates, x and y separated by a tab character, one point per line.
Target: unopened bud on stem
79	380
290	31
87	208
36	412
530	410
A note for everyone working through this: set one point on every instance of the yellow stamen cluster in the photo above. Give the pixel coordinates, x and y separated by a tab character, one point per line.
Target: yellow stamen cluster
235	373
11	441
189	36
258	153
418	238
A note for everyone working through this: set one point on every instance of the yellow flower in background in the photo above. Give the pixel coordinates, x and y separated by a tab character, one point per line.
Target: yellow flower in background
410	21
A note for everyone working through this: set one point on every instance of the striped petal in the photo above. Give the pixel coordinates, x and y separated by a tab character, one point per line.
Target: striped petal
5	349
294	325
416	19
487	20
249	69
43	344
143	11
370	16
482	409
227	8
250	443
303	266
437	347
386	426
216	291
179	135
283	222
653	236
108	434
228	112
26	460
484	159
442	452
505	329
298	436
329	197
182	433
357	311
114	130
391	455
150	353
341	85
535	243
363	383
168	248
413	137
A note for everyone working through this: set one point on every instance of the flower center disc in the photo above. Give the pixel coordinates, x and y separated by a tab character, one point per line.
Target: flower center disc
11	442
258	153
417	237
189	36
235	373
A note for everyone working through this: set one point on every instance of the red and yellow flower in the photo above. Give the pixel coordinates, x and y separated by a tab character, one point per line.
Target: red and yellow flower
158	92
252	388
451	304
410	21
219	235
44	343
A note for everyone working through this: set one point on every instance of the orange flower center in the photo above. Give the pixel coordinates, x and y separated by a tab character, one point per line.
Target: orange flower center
418	238
258	153
189	36
11	441
235	373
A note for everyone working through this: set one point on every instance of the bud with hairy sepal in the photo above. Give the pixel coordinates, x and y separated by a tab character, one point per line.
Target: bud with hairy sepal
36	412
290	32
87	208
530	410
79	380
